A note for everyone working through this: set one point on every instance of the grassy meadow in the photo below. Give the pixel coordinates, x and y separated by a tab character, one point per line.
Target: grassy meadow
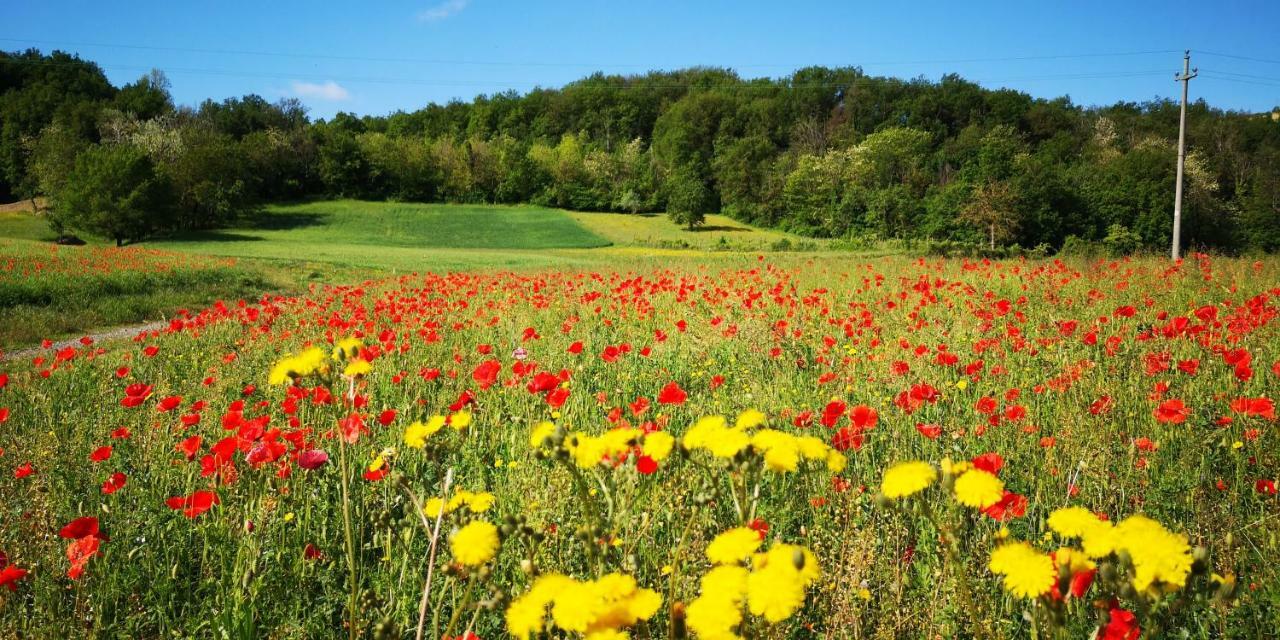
540	424
288	247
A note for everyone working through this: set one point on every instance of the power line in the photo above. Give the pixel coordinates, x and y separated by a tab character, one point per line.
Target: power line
1243	75
1237	57
1239	81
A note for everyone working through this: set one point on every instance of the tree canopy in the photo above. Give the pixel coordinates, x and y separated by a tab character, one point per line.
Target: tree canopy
828	152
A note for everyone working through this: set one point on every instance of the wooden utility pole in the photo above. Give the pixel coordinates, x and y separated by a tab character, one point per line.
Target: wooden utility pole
1185	78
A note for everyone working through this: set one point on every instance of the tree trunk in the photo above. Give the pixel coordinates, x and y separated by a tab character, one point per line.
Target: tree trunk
119	242
993	237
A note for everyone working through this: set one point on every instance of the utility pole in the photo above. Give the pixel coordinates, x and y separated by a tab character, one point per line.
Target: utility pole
1185	78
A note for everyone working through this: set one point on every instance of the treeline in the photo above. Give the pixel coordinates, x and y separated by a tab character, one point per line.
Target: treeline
824	152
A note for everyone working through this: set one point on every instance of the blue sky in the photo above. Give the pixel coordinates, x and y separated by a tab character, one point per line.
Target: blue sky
398	54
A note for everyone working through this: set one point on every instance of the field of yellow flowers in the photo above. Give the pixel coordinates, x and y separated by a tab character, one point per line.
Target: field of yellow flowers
761	447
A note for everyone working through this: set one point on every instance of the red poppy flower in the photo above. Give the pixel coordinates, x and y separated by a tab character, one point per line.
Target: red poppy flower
486	373
4	414
990	462
646	465
672	394
23	471
930	431
10	575
1262	407
169	404
114	483
387	417
80	527
833	413
121	434
79	553
1012	505
101	454
1123	625
1172	412
557	397
310	552
313	459
194	504
190	447
848	437
376	475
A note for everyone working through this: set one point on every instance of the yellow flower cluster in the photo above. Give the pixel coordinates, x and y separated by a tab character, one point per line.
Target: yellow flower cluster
416	434
477	502
1028	573
906	479
1159	556
596	609
781	451
301	365
475	544
772	586
588	450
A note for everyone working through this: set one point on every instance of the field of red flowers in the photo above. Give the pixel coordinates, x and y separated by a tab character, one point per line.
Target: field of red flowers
757	447
48	291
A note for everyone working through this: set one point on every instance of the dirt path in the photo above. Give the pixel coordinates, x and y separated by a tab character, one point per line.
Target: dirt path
107	335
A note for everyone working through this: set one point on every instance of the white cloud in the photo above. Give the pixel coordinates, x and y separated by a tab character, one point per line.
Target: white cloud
443	10
327	91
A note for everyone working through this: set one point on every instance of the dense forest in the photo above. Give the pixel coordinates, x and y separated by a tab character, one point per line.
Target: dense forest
824	152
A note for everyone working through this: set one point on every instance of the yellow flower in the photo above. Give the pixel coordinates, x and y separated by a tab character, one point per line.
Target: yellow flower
416	434
433	508
749	419
781	450
658	445
527	613
346	348
587	450
481	502
775	592
978	489
357	368
301	365
836	461
702	433
460	420
475	544
1159	555
728	443
596	609
718	608
1028	573
907	479
541	432
1097	536
733	545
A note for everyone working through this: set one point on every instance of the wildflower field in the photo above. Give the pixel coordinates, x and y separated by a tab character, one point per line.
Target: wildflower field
753	446
47	291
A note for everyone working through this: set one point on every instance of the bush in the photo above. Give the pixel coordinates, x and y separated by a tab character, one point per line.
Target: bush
1075	246
1120	241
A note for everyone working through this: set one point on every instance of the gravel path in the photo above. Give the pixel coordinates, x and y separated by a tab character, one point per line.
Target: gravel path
119	333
